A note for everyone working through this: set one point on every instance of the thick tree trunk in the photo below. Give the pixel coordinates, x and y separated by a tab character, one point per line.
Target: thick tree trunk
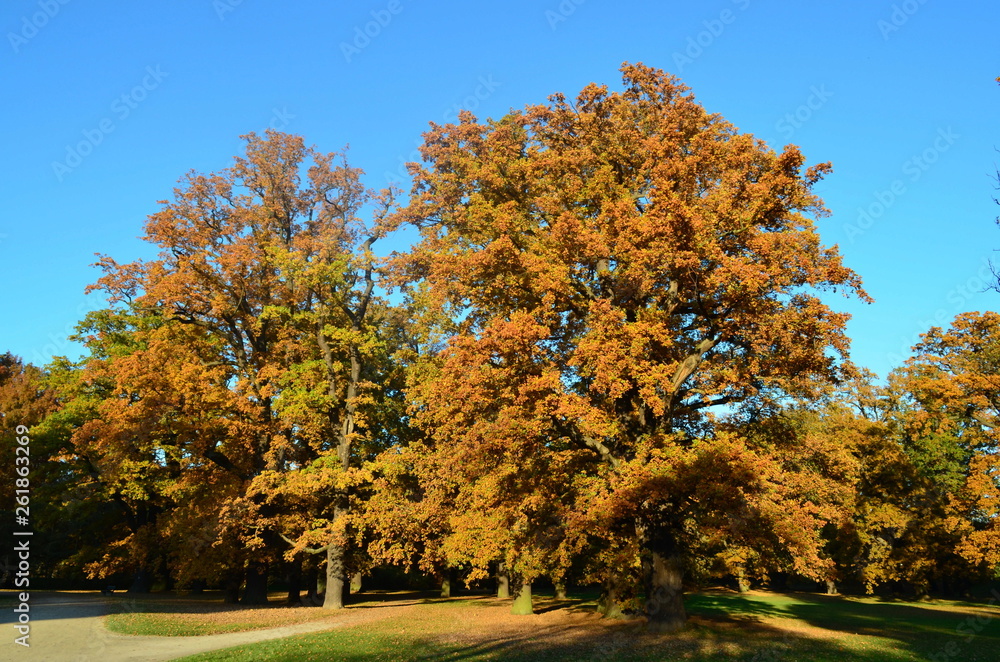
446	584
609	604
198	587
295	582
356	582
560	590
742	584
142	582
336	577
503	581
665	596
522	599
831	587
255	591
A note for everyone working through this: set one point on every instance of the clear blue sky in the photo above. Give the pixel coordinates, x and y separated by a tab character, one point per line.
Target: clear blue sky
899	95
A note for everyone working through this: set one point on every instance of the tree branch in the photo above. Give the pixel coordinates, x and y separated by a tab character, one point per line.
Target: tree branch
307	550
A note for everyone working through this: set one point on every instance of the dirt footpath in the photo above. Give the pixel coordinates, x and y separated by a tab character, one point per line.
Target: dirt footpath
68	627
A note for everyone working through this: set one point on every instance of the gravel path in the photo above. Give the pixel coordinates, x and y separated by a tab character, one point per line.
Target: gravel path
68	627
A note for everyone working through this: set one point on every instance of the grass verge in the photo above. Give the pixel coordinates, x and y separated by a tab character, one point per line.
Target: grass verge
178	617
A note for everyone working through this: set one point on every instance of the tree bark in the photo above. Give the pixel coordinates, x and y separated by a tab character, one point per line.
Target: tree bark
561	590
446	584
665	592
522	605
609	604
742	585
255	591
356	582
503	581
831	587
336	577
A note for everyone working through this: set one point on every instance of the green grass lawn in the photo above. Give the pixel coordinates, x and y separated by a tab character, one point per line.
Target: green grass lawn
757	627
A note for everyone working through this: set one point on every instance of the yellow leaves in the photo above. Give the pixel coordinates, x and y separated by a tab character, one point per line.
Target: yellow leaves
958	370
265	368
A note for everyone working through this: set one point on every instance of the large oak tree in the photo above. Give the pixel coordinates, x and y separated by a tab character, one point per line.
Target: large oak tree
619	265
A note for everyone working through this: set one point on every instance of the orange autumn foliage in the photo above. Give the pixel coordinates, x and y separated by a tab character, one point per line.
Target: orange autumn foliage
617	266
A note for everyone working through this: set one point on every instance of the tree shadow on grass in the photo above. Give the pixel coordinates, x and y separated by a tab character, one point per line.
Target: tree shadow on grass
750	628
541	604
929	631
932	630
586	639
376	598
545	605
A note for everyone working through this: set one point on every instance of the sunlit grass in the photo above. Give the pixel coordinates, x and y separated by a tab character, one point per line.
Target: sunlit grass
757	627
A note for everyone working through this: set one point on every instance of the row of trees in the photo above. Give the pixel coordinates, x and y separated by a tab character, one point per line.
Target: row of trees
605	361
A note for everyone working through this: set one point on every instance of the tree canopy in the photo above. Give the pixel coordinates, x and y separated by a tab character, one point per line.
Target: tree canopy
619	265
610	358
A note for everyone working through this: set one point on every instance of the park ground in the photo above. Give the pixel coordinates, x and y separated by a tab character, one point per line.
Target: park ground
757	627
